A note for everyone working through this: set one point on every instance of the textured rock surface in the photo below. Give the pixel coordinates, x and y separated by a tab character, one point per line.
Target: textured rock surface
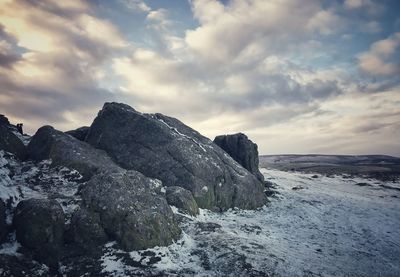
163	147
131	210
20	266
65	150
86	230
11	143
79	133
242	150
39	225
182	199
4	120
3	225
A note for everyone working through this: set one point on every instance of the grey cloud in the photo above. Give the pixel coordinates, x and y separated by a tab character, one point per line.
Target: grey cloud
69	84
8	59
279	89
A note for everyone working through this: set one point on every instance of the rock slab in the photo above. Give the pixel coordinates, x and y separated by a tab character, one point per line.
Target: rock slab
182	199
242	150
79	133
65	150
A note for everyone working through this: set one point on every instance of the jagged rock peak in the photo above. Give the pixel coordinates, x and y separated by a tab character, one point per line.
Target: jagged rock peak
242	150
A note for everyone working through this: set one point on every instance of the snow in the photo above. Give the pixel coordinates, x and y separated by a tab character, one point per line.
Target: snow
25	180
331	227
11	247
24	138
176	131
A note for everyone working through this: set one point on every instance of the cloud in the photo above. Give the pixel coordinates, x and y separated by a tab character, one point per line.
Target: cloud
378	60
136	5
282	71
56	70
240	26
236	67
373	8
371	27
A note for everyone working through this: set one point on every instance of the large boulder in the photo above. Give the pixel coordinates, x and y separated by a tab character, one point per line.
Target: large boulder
131	209
39	225
79	133
86	230
164	148
3	223
182	199
242	150
10	142
65	150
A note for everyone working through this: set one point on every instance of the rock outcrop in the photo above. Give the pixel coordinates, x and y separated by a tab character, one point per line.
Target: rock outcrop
9	141
242	150
65	150
182	199
39	225
79	133
3	224
131	210
164	148
86	230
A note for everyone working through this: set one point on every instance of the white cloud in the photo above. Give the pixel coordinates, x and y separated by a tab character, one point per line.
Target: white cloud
372	7
137	5
56	72
377	61
274	25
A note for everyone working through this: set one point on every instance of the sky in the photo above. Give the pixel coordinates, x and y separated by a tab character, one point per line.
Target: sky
310	76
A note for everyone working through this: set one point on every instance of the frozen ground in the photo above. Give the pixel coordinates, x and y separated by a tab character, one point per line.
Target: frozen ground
324	227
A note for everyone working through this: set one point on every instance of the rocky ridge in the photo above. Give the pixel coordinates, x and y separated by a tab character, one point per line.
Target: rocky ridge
69	193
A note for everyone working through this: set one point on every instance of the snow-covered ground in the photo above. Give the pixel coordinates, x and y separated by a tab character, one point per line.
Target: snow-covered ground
325	227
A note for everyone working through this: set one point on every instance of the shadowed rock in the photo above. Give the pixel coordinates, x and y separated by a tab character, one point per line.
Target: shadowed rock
65	150
79	133
164	148
182	199
39	225
3	224
86	230
242	150
130	209
20	266
9	141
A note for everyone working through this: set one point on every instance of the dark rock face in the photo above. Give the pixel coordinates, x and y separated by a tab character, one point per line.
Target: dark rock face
3	224
164	148
242	150
65	150
39	224
79	133
20	267
182	199
9	142
4	120
86	230
130	209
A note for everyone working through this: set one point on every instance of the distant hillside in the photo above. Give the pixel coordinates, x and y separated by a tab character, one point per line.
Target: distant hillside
381	167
